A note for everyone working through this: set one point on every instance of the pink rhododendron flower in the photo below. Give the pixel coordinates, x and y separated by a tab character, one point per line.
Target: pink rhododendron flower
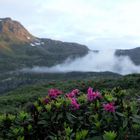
74	103
53	93
89	94
73	93
97	95
93	95
70	95
109	107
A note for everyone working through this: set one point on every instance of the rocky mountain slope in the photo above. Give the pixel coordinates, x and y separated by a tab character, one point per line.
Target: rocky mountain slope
13	32
18	48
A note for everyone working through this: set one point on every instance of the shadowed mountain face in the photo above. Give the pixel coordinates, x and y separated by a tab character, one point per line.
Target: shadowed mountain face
134	54
19	49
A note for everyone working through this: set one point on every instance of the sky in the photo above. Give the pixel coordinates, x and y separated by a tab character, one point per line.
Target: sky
99	24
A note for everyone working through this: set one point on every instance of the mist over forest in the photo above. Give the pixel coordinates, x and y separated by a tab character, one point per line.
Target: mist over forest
94	61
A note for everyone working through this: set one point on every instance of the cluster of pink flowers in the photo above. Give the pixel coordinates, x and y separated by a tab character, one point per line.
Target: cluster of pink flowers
72	97
54	93
109	107
91	95
73	94
74	103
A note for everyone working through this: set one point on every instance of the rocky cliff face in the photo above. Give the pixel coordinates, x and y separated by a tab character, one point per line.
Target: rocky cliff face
12	31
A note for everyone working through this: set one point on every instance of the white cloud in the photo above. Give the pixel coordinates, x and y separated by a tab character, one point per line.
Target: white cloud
92	62
97	23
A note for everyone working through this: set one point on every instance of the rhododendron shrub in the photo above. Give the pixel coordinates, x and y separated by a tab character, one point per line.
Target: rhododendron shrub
75	116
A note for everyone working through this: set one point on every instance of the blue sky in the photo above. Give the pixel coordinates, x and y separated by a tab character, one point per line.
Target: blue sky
98	24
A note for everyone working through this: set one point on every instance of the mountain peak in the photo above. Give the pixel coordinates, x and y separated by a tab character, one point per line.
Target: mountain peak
7	18
12	31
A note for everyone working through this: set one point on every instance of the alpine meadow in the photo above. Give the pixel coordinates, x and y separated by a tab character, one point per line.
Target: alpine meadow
69	70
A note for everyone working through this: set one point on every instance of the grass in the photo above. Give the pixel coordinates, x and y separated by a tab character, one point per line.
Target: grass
18	99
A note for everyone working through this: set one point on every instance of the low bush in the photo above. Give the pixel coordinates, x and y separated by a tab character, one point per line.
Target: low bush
75	116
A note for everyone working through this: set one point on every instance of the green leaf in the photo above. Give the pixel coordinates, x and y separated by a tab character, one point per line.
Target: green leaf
120	114
109	135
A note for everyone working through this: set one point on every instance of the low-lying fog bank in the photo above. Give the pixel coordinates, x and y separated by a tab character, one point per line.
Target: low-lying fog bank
104	60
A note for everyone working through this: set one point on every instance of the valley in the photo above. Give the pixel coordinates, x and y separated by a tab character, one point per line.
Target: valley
56	90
